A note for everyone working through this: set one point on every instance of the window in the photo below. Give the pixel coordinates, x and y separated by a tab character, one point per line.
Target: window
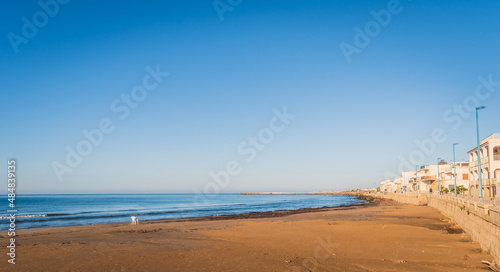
465	176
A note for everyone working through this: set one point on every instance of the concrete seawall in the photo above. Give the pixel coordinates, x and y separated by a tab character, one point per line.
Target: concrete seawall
481	221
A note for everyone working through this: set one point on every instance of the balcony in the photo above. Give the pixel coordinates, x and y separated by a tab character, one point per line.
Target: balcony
427	178
484	161
485	181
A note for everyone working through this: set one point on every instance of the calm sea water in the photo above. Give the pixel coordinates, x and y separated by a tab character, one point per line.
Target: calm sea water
40	211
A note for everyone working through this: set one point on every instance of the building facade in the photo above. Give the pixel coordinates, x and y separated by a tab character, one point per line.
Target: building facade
388	186
447	175
490	167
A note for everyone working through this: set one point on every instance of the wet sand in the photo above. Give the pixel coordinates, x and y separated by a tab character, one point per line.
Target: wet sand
386	236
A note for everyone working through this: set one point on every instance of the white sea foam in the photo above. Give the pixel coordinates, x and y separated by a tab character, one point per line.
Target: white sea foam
23	216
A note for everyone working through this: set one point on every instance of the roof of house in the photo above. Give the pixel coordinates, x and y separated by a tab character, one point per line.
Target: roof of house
483	142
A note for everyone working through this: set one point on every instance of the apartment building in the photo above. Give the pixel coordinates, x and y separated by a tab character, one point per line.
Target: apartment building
388	186
405	181
427	178
462	170
490	167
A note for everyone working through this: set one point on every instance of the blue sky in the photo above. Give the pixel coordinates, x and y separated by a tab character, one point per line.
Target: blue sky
354	121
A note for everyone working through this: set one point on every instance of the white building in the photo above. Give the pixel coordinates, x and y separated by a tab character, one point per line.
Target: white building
404	181
462	170
388	186
490	167
427	178
414	184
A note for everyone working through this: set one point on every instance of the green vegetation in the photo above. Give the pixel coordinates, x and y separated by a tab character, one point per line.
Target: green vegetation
369	199
461	189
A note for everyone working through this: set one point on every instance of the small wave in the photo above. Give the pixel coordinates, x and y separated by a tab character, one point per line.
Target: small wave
24	216
58	214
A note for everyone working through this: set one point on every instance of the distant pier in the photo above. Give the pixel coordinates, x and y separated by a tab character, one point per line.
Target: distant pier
310	193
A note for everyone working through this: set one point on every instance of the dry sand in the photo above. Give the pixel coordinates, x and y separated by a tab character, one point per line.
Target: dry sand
387	236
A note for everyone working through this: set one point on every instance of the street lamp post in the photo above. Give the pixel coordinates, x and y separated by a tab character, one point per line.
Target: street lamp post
455	168
439	184
416	179
479	155
404	188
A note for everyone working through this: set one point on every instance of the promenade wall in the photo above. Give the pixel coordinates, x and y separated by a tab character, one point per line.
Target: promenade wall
481	221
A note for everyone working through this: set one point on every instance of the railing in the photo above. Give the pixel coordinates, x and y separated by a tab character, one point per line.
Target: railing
486	200
484	160
485	182
427	178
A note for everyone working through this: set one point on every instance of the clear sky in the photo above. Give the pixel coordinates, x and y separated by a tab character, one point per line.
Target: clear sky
359	101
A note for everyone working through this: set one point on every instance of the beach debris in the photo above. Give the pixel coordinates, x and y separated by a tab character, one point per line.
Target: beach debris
142	230
466	257
135	220
453	230
492	266
395	261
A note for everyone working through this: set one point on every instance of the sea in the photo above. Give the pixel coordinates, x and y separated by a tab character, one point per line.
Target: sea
57	210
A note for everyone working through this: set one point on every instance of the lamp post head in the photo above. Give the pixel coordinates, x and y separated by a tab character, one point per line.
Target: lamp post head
455	144
480	108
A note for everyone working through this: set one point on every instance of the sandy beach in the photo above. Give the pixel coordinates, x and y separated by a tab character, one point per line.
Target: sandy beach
386	236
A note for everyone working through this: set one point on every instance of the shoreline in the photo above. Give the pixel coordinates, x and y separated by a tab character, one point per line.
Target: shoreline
251	215
369	200
255	215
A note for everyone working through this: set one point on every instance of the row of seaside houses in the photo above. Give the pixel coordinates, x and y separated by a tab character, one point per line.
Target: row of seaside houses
425	178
